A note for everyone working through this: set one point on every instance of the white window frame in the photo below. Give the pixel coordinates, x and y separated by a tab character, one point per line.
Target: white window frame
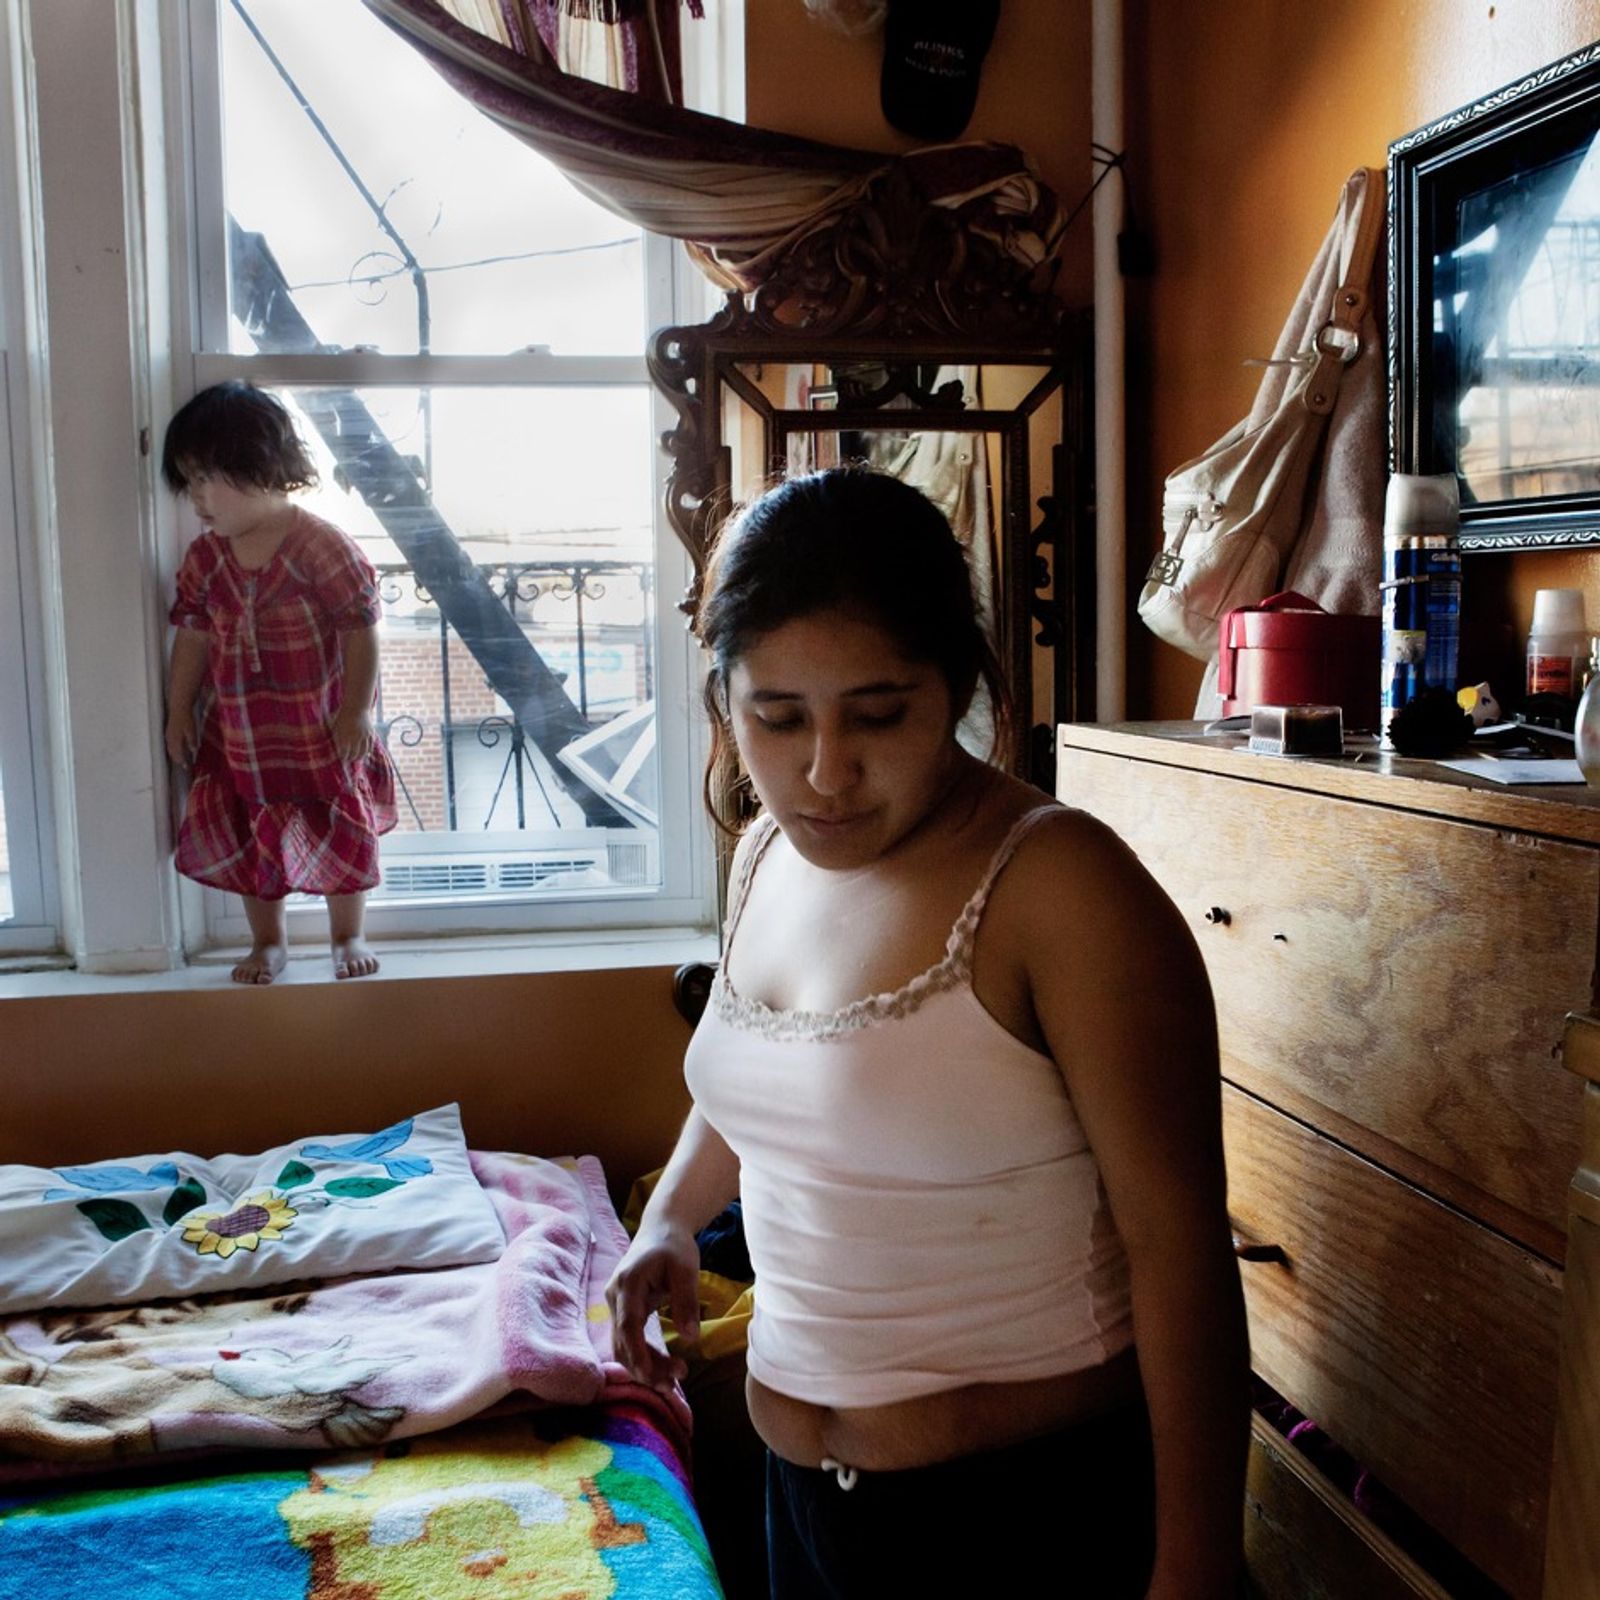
676	293
34	923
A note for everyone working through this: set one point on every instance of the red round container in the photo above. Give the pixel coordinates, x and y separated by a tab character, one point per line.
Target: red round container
1288	651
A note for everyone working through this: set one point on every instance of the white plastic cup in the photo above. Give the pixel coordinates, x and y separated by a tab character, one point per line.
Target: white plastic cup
1558	642
1558	611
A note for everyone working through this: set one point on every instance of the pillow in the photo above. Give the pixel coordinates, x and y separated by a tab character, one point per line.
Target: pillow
324	1206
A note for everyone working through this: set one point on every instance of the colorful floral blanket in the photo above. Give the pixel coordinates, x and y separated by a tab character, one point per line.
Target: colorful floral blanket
347	1363
527	1506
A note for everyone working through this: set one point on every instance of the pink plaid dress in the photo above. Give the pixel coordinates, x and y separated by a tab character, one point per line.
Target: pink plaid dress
271	808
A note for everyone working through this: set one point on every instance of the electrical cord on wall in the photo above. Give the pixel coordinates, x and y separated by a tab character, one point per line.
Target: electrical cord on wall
1136	251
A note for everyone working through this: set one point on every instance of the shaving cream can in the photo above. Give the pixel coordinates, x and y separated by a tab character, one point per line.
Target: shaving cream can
1421	592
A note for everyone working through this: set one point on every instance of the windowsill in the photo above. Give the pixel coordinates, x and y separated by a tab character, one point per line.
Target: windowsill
403	960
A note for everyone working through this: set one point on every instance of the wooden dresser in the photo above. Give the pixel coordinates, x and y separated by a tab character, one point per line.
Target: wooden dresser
1395	950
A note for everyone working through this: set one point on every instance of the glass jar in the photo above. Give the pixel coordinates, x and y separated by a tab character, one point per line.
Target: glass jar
1586	726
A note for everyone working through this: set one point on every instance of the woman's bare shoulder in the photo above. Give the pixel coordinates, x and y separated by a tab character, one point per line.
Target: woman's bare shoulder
1104	954
744	850
1072	870
1059	838
749	839
998	801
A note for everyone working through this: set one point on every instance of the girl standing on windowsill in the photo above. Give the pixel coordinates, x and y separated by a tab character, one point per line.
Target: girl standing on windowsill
274	670
960	1064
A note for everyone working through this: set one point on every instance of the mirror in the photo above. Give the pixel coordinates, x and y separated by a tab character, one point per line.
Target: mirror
1494	308
893	338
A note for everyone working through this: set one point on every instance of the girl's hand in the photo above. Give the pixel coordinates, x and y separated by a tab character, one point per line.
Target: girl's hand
181	737
353	734
660	1268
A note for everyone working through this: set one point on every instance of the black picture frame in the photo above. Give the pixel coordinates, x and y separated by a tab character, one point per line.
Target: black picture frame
1500	158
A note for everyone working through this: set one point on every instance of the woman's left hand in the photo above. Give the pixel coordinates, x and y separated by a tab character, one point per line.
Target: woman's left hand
353	734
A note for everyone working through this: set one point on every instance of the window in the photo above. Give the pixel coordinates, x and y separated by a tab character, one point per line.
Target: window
27	909
461	336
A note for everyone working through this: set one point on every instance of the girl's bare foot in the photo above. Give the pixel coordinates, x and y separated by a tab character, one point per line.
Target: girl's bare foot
353	958
262	965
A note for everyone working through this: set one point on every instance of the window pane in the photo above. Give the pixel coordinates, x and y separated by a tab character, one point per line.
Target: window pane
407	221
512	532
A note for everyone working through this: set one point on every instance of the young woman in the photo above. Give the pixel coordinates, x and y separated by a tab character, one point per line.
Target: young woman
274	669
960	1064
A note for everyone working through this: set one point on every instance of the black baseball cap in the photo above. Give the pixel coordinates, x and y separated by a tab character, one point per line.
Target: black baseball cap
933	51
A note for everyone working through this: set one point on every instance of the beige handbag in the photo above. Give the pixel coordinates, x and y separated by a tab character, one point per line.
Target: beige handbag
1234	515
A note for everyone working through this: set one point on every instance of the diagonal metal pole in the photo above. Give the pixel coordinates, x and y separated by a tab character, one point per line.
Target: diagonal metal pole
382	477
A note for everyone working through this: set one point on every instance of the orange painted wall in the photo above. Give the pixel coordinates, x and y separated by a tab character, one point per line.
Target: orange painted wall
1244	120
551	1063
802	77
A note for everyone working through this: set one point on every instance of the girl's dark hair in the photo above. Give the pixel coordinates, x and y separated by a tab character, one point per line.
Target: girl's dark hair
848	539
241	432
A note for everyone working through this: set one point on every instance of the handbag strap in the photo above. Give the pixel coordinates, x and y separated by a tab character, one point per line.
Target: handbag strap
1338	341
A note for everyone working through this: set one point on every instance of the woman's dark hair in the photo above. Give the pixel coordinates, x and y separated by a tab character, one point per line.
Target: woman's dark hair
848	539
241	432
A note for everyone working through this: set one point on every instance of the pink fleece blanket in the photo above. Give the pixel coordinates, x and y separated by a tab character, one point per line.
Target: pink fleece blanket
346	1362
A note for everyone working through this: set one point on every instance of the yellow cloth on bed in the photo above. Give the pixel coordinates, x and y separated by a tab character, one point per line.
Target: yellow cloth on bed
725	1303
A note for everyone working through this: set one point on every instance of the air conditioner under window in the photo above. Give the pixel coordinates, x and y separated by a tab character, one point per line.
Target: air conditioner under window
619	858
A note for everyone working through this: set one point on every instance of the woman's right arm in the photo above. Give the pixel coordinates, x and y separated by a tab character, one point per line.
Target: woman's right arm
662	1265
189	655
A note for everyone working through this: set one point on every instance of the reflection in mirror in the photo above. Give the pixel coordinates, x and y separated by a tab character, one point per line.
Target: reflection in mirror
1517	321
983	440
787	433
1494	307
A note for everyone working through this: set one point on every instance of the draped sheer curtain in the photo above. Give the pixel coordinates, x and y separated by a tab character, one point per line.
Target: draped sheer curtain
592	85
624	44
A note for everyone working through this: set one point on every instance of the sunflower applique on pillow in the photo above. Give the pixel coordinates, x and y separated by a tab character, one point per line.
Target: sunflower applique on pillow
239	1227
176	1224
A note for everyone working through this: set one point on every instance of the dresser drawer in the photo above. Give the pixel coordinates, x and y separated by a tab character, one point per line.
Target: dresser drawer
1398	979
1305	1540
1423	1343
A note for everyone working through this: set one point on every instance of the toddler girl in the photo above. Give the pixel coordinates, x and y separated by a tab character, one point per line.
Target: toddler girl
273	674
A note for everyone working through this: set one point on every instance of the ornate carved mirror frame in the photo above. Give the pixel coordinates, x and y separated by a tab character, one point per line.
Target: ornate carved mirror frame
862	317
1494	220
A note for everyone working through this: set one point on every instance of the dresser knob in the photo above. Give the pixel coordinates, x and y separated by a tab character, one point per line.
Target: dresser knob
1217	915
1254	1250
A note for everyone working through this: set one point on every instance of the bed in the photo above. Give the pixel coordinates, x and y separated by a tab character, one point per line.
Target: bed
191	1407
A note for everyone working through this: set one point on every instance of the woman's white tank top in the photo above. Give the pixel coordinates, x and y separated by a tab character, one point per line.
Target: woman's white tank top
922	1208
